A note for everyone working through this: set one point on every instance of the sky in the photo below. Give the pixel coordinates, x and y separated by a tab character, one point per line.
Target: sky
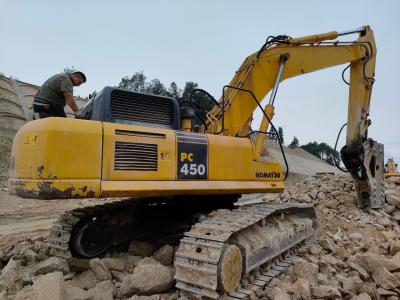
205	42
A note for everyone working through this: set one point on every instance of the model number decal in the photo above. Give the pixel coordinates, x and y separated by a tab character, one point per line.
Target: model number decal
192	162
193	169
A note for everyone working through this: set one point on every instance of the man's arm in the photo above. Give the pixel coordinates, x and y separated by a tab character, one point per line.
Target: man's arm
70	101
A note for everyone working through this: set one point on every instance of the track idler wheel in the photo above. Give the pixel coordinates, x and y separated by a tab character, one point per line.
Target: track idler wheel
230	269
90	238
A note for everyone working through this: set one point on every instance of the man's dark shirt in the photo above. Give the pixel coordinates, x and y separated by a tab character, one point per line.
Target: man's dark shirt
53	89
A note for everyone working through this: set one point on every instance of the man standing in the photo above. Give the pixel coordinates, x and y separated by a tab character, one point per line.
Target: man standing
55	93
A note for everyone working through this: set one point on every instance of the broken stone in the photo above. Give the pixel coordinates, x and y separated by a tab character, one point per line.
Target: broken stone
24	294
362	273
332	204
383	292
370	262
102	291
49	286
343	253
114	264
72	292
11	277
152	297
356	236
321	196
370	289
31	256
396	215
164	255
306	270
148	279
147	261
393	199
389	208
301	287
328	244
51	264
118	275
85	280
384	221
323	279
352	284
305	198
132	260
385	279
3	295
314	250
281	295
100	269
141	248
326	292
363	296
313	194
325	266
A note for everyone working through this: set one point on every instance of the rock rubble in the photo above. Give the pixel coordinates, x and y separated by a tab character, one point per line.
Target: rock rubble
356	256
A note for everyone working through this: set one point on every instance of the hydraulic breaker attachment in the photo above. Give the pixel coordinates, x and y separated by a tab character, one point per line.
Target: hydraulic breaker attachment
365	165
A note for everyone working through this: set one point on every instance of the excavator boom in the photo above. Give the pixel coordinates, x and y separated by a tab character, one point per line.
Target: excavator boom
282	58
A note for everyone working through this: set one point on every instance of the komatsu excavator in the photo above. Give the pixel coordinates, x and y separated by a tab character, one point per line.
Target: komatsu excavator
143	148
391	169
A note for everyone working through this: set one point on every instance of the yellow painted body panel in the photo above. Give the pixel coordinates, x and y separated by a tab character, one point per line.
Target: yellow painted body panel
51	189
57	156
387	175
230	158
165	188
165	141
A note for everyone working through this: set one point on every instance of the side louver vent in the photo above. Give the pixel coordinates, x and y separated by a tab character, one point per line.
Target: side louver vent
141	108
135	156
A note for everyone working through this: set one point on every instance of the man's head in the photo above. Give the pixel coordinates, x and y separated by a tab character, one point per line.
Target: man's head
78	78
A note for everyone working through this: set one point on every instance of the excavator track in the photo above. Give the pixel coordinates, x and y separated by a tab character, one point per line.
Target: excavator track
235	253
90	231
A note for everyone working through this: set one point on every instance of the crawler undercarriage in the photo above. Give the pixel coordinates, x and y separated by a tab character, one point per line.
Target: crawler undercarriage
224	251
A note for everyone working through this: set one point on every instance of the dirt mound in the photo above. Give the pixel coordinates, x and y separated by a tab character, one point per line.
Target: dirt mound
356	256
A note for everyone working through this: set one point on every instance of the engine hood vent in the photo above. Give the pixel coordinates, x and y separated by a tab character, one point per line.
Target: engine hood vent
135	156
142	108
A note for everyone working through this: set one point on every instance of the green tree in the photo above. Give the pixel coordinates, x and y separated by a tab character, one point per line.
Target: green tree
323	151
174	91
155	87
294	143
137	82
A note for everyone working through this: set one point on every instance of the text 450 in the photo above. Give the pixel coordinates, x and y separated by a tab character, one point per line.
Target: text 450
193	169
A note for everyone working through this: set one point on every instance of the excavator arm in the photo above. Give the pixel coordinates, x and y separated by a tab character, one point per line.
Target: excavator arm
282	58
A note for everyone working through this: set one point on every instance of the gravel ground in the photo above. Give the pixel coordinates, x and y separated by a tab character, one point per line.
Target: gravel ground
356	256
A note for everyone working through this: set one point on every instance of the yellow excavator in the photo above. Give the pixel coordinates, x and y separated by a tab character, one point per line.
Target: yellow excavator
180	181
391	169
